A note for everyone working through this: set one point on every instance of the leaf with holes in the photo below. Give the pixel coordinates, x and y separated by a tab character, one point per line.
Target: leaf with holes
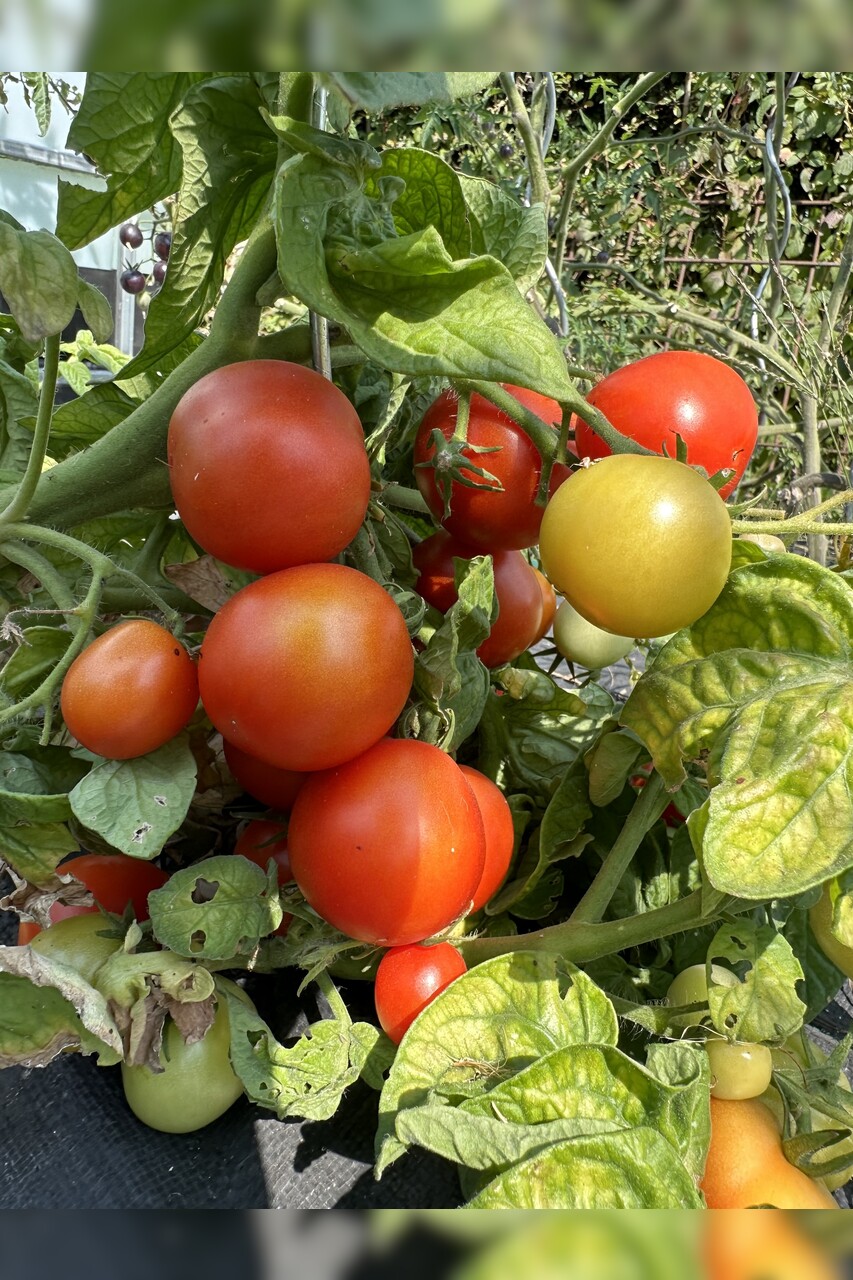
216	909
135	805
764	1005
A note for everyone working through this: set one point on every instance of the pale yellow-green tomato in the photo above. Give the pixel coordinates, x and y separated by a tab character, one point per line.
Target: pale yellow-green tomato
691	985
77	942
820	919
738	1071
582	642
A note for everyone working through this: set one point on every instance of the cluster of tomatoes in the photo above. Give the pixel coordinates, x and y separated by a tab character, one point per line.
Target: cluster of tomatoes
305	671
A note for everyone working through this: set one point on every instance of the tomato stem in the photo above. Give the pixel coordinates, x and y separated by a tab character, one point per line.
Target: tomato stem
648	807
17	508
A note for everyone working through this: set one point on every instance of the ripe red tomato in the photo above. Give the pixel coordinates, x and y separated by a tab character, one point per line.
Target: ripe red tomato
274	787
130	691
113	879
307	667
389	847
678	392
499	832
487	518
549	605
268	466
518	593
261	840
408	979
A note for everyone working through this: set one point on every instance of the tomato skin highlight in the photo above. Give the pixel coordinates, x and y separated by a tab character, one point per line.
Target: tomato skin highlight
518	593
747	1166
686	393
276	788
486	518
268	466
389	847
638	545
408	979
499	832
308	667
131	691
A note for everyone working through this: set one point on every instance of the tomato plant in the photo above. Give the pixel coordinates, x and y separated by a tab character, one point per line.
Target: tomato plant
130	691
651	564
267	465
678	393
497	514
374	821
274	787
408	978
307	667
516	588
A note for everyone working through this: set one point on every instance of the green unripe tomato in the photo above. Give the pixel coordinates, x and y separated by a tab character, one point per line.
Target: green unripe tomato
582	642
766	541
78	943
738	1070
820	919
197	1084
691	985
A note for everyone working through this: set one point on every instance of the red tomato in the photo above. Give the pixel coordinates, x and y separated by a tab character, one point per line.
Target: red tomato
518	593
672	816
408	979
499	832
268	466
487	518
274	787
113	879
389	847
130	691
678	392
549	605
261	840
307	667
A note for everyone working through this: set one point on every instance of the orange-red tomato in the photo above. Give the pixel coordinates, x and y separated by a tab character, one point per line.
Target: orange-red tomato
114	881
549	605
408	979
307	667
684	393
488	518
499	832
746	1164
262	839
742	1244
130	691
389	847
268	466
274	787
516	588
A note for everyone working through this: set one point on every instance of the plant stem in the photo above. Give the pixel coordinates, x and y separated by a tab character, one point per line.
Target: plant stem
648	807
40	567
18	507
397	495
530	138
596	144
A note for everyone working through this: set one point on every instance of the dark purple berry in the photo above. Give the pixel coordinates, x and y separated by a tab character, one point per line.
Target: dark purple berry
162	244
159	272
132	281
506	150
130	235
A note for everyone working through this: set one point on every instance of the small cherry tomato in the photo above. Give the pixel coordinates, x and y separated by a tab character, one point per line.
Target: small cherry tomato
408	979
583	642
130	691
738	1070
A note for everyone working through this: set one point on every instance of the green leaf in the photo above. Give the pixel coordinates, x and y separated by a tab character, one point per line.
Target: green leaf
405	301
18	402
47	1009
610	763
34	849
38	279
632	1169
97	311
535	731
229	157
123	125
764	1006
216	909
37	83
34	785
822	979
515	234
379	90
486	1026
82	421
135	805
762	683
431	195
38	653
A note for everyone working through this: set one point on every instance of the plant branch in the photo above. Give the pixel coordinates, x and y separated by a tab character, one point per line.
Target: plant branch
530	138
18	507
596	144
40	567
648	807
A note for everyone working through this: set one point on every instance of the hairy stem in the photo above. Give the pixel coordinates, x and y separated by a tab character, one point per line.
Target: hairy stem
539	190
648	807
19	505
